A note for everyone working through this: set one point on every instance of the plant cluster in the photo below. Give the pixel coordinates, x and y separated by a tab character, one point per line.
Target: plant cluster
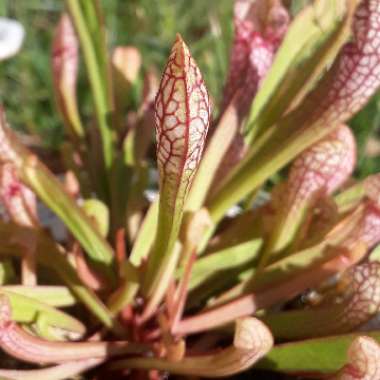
223	268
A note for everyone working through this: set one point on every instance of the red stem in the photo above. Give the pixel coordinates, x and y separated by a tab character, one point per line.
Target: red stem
182	291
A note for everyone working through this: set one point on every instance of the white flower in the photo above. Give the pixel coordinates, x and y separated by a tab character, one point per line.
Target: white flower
11	37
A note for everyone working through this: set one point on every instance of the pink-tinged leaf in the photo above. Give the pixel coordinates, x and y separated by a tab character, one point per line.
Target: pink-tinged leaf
363	361
354	301
259	28
65	58
324	166
252	340
355	75
65	54
182	119
317	172
26	347
18	200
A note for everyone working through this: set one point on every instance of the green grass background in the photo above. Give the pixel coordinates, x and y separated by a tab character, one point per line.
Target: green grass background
151	25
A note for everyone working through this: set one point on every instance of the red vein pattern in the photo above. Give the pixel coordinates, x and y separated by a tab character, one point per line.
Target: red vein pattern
65	55
323	167
361	294
182	119
355	75
255	42
363	360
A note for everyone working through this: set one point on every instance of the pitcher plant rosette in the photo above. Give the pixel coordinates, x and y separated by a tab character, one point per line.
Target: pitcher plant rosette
146	286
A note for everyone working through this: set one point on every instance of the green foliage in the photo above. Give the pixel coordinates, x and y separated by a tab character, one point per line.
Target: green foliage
204	277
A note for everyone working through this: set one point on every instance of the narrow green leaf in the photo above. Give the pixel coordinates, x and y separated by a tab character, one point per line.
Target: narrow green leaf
51	192
56	296
146	236
350	197
226	259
